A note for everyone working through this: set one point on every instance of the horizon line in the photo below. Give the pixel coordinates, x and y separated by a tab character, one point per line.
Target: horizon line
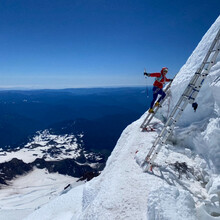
66	88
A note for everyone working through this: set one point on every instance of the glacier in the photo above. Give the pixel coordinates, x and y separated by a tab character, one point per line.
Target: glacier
124	191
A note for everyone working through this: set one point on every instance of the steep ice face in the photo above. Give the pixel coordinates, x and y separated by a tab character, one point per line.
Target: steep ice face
199	130
173	201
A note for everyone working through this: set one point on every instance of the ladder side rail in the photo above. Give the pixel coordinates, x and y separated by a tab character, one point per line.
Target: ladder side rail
186	94
214	43
194	78
191	84
187	90
154	157
213	58
195	92
142	125
163	137
203	76
149	117
178	116
181	100
153	149
170	128
147	158
158	148
209	51
158	140
147	122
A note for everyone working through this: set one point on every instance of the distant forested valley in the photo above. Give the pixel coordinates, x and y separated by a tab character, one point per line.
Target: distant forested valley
101	114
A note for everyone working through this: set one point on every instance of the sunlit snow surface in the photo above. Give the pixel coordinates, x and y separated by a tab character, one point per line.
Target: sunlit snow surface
50	147
40	146
27	193
124	191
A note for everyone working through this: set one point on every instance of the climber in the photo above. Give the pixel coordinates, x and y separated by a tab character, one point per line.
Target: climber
158	86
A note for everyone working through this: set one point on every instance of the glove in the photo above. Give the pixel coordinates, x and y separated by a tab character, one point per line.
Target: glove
146	74
171	80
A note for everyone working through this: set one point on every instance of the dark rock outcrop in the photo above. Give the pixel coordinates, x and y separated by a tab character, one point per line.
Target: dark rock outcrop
11	169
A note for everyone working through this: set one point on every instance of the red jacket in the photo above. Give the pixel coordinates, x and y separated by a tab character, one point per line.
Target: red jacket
161	78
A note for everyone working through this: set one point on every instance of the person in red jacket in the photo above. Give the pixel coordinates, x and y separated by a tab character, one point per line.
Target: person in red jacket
158	86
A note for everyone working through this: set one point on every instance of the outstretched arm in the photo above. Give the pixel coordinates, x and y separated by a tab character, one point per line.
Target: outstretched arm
152	74
155	74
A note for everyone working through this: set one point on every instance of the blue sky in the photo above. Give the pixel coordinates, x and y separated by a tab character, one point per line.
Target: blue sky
89	43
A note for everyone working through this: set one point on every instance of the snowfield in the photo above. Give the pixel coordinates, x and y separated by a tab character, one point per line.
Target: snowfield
27	193
185	185
67	146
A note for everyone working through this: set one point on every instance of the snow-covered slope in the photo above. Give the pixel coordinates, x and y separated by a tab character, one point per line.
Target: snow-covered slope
50	147
65	154
25	194
185	186
25	187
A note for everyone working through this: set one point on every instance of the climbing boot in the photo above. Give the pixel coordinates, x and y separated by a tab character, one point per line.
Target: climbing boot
151	110
157	104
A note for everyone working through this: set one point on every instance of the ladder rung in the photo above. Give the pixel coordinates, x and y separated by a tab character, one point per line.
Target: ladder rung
208	62
193	86
188	97
179	108
185	96
169	130
173	119
206	74
195	90
214	50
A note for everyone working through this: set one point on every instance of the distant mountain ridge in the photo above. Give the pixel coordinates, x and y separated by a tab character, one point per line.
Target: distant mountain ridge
64	154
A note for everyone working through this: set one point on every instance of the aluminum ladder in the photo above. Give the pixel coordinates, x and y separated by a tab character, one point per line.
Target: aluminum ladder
188	96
